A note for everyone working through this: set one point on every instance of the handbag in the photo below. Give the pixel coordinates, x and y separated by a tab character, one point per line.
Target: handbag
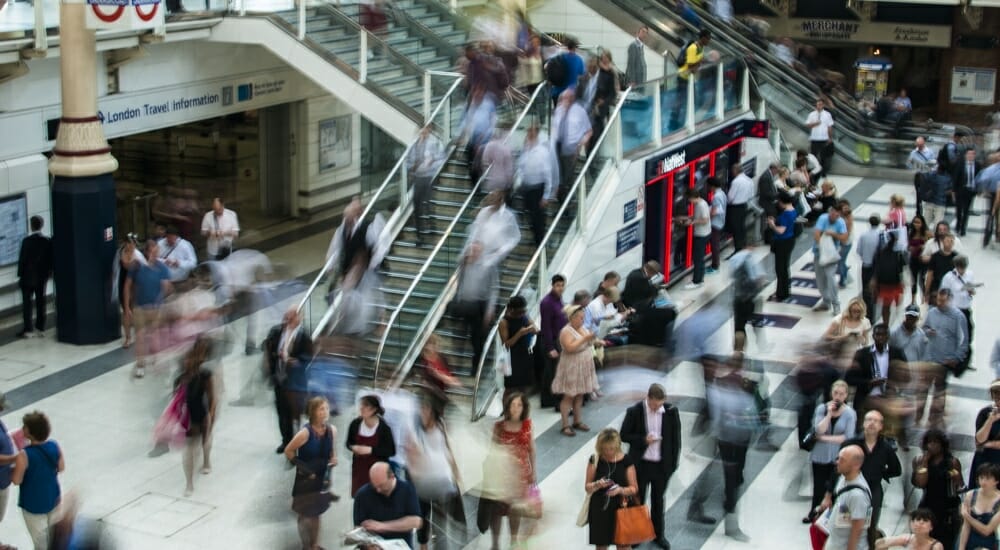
172	426
828	253
632	524
809	440
583	518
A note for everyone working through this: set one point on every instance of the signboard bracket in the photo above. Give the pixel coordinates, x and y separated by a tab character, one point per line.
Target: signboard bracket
120	56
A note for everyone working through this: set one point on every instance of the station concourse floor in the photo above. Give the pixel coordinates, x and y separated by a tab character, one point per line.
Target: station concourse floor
103	419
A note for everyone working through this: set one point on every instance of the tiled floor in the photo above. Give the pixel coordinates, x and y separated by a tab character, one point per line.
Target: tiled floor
103	421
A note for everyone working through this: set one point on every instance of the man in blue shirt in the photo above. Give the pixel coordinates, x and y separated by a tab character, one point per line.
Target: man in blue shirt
574	69
386	506
833	225
146	287
8	454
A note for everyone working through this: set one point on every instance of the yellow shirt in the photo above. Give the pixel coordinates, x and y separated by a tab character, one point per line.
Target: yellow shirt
694	54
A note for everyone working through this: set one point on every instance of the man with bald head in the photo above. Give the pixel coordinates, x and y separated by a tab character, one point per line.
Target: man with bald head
387	506
849	516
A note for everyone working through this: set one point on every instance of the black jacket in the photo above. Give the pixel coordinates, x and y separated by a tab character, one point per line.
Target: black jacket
862	372
639	293
767	193
34	264
634	433
301	351
386	446
881	463
962	177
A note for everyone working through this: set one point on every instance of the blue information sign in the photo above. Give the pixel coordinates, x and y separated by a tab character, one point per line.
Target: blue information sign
631	210
629	237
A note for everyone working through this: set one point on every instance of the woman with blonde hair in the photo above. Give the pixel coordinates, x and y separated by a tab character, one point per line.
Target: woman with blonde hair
576	375
851	324
610	478
833	423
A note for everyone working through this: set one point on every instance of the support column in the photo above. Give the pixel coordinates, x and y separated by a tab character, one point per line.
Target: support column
83	194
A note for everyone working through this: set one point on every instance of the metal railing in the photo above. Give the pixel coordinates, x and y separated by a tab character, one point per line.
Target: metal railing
430	320
539	259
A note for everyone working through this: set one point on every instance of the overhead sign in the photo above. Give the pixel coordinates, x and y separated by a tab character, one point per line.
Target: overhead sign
839	30
124	14
973	86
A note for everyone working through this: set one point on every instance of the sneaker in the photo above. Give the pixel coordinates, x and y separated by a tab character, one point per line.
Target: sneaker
692	286
711	271
836	309
139	372
25	334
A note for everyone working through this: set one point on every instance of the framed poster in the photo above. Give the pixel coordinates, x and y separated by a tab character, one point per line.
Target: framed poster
14	221
334	143
973	86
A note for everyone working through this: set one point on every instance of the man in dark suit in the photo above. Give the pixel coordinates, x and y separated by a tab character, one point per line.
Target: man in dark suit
652	429
965	189
34	267
877	372
767	197
288	350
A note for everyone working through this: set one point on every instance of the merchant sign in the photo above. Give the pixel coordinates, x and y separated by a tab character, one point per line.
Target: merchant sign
839	30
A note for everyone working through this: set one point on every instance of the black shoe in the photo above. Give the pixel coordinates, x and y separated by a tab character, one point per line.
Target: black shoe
697	516
662	543
280	449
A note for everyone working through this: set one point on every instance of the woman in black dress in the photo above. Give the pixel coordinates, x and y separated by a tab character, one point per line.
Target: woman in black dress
987	435
313	453
939	474
610	478
516	330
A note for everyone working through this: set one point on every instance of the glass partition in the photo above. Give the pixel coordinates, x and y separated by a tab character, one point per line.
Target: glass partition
673	102
732	84
705	92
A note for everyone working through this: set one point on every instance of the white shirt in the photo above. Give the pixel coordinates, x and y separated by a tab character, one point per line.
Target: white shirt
882	364
183	253
654	425
227	223
497	231
571	132
921	159
537	164
702	212
425	156
820	132
372	241
961	298
741	190
932	246
596	312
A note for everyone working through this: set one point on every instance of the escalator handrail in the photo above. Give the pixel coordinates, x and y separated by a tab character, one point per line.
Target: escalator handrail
406	361
386	184
529	268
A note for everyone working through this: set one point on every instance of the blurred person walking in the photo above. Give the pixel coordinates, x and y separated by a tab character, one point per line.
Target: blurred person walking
34	268
832	228
538	170
868	246
475	299
513	452
36	473
935	189
782	243
517	332
610	477
369	439
922	159
220	226
201	399
962	284
425	157
748	279
288	349
355	242
833	423
987	435
947	344
563	70
939	474
553	320
479	121
572	133
652	429
313	452
575	375
965	190
917	235
767	198
148	284
498	157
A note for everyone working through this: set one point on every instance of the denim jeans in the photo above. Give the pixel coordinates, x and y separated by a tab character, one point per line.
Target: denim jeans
842	264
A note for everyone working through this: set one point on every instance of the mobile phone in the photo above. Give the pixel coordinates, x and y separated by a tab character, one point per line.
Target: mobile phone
837	405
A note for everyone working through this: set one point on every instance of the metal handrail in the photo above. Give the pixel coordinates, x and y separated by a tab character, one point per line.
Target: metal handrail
381	189
528	270
406	359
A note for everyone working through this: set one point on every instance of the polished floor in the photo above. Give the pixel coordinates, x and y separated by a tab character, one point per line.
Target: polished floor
103	419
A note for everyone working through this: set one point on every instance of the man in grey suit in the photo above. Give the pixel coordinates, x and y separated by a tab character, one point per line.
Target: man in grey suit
635	71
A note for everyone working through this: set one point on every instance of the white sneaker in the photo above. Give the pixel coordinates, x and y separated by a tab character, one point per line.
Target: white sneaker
692	286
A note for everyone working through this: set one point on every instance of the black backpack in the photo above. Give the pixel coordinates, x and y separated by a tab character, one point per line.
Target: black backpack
943	160
682	56
925	188
557	70
889	264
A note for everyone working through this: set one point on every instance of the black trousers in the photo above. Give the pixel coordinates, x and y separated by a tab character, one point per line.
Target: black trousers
821	477
652	475
916	187
531	199
866	290
283	405
743	310
421	194
36	292
824	152
698	258
734	458
477	330
736	219
782	249
963	204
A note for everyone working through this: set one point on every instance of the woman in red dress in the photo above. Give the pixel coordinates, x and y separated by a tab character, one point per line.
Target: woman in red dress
369	439
515	441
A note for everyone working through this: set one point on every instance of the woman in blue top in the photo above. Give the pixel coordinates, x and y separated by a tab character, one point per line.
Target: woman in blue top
36	470
783	242
313	453
8	455
981	511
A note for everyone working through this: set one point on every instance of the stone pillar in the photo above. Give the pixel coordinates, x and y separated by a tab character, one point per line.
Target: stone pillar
83	194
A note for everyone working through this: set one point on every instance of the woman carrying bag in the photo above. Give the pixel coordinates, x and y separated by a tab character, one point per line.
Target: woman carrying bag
312	452
610	479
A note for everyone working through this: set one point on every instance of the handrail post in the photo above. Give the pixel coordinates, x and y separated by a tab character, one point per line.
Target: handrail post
302	19
581	200
657	116
41	34
762	109
427	97
403	184
689	118
745	95
619	150
446	131
720	92
243	7
543	267
363	59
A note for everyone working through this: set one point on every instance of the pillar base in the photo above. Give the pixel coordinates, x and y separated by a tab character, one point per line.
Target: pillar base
84	244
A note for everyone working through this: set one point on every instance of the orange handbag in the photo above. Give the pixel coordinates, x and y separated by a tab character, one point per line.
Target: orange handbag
633	524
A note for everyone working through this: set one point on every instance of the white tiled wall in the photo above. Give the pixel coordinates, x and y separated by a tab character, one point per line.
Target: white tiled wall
28	175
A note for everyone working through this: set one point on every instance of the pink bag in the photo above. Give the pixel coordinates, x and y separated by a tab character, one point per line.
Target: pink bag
530	506
171	429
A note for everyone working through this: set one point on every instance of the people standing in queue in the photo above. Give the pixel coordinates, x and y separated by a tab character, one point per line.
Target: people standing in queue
741	192
782	244
939	474
576	375
610	477
313	452
652	429
34	268
369	439
220	226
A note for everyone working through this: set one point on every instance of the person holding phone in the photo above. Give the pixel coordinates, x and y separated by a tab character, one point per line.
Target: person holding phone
835	422
987	435
517	331
963	285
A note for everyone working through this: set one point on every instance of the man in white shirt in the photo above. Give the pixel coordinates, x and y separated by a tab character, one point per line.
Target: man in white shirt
177	254
422	163
820	124
700	222
572	133
962	284
538	171
602	308
221	227
741	191
499	159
